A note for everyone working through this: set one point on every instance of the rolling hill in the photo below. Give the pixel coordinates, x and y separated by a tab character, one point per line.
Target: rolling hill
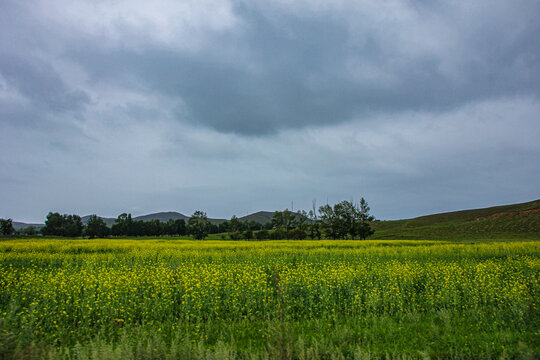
262	217
20	225
498	222
162	216
108	221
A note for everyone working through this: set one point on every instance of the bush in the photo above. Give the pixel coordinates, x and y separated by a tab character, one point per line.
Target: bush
278	234
248	234
235	235
296	234
262	235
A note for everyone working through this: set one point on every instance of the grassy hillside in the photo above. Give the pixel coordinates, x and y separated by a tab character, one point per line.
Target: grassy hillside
499	222
262	217
20	225
108	221
162	216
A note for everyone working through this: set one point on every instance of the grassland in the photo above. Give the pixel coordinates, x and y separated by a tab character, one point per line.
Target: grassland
168	299
516	221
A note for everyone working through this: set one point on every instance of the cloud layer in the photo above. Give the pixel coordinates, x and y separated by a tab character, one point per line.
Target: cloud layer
233	106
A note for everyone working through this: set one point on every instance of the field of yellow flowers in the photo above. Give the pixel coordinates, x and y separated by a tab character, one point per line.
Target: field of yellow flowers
164	298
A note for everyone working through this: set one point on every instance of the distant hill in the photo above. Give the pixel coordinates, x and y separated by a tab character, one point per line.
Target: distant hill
166	216
498	222
108	221
261	217
20	225
162	216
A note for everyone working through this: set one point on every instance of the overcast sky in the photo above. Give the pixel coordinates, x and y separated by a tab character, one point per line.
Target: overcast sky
237	106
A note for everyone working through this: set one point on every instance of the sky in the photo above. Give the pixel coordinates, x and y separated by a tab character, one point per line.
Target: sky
232	107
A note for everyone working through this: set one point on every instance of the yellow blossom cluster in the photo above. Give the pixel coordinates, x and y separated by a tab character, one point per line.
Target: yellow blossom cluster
54	289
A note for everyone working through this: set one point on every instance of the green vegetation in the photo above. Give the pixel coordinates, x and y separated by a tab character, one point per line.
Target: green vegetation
63	225
260	217
178	299
124	225
341	221
198	225
469	291
518	221
96	227
6	227
345	219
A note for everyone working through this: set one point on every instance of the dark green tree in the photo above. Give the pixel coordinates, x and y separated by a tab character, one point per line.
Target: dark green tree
6	227
123	225
153	228
73	225
29	231
235	224
346	219
302	220
296	234
363	220
180	226
262	235
345	213
175	227
213	228
284	219
235	235
224	227
96	227
54	225
248	234
278	234
329	221
313	227
198	225
63	225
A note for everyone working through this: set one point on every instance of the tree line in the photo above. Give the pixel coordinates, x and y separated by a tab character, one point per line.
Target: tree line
344	220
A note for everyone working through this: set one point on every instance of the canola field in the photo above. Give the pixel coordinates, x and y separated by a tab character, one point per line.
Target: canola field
182	299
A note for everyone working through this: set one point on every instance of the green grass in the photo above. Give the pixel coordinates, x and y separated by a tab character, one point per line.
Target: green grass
518	221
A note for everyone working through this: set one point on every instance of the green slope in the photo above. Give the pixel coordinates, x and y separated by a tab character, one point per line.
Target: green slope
162	216
262	217
516	221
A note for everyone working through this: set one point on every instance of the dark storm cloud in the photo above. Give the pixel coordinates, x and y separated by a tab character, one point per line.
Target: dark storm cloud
304	76
283	70
288	70
232	105
33	89
40	84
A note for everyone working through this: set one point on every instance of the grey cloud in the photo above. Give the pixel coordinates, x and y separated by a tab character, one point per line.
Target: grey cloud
404	168
430	107
293	72
282	70
38	83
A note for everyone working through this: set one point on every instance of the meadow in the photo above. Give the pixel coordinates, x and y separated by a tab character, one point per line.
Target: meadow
182	299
